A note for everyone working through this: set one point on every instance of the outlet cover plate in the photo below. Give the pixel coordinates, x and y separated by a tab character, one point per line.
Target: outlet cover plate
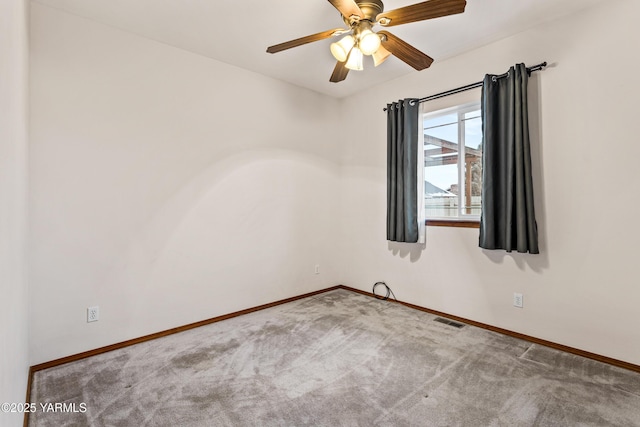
93	314
518	300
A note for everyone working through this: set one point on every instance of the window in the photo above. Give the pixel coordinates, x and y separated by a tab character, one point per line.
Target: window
453	164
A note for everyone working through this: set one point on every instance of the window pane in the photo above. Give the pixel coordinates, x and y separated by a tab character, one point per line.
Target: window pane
441	165
473	162
453	162
473	129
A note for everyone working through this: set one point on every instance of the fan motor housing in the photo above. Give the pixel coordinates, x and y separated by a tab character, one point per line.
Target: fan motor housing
370	8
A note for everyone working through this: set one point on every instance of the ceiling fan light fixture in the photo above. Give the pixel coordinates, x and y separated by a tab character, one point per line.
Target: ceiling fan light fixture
340	49
355	60
369	42
359	39
380	55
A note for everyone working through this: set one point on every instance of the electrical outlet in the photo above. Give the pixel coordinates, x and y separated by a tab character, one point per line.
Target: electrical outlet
517	300
93	313
317	269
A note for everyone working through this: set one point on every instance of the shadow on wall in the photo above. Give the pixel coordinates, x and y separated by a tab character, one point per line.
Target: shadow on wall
225	217
412	250
538	262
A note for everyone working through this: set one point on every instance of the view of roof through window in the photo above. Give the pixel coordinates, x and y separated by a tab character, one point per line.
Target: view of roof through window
453	162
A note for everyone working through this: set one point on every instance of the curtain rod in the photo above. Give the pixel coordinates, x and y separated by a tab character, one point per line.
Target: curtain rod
472	85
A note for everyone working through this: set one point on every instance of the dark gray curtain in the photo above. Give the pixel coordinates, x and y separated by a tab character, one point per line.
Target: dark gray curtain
402	159
508	216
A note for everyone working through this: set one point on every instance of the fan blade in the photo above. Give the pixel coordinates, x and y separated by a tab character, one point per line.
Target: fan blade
405	52
303	40
339	73
419	12
347	8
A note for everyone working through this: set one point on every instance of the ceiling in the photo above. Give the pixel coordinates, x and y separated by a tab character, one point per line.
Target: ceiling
238	33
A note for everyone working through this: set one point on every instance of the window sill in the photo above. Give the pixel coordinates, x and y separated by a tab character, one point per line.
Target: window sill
453	223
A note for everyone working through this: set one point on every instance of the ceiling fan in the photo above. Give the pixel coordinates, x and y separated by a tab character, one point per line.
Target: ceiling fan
361	16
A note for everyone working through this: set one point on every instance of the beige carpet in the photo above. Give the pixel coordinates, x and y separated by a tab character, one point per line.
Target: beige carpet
337	359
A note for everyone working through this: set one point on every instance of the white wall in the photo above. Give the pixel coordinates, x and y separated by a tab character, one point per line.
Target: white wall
582	290
14	364
156	195
166	187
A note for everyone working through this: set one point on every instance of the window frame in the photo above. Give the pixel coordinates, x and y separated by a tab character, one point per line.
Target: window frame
462	220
